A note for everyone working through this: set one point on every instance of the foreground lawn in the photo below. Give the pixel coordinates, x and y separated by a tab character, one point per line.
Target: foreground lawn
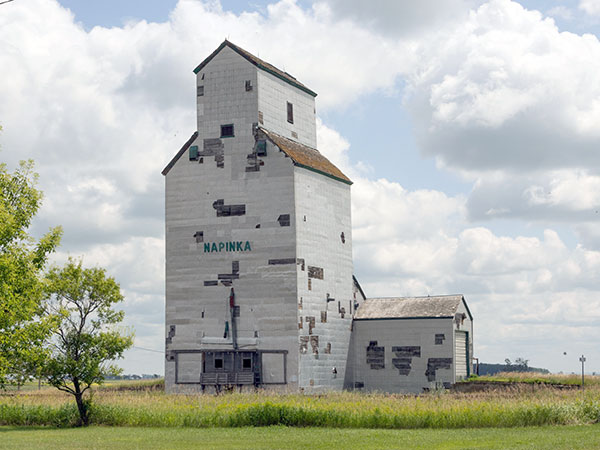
568	437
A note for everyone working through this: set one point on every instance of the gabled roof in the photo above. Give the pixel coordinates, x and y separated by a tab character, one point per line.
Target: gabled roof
301	155
306	157
441	306
258	63
179	153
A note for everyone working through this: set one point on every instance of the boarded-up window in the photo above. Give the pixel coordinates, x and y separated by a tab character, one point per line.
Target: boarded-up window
188	367
290	112
273	368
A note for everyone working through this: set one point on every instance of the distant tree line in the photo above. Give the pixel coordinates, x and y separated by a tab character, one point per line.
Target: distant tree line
518	365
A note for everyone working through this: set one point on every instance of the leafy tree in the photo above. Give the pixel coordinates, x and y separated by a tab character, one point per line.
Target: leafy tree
522	364
88	337
23	326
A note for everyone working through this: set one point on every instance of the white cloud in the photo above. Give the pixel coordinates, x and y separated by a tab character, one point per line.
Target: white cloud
403	18
560	11
591	7
507	90
497	94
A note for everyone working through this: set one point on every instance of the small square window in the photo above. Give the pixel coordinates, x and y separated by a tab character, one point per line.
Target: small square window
227	130
247	363
200	91
290	112
218	363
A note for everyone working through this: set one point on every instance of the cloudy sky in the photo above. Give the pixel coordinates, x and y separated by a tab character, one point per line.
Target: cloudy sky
469	127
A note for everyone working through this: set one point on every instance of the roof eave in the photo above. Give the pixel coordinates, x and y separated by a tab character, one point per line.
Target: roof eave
181	151
404	318
467	308
312	169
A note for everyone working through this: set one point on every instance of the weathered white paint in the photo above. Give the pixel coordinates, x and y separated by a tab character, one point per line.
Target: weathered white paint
268	295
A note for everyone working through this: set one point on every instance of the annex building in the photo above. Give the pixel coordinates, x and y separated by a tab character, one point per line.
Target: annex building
259	275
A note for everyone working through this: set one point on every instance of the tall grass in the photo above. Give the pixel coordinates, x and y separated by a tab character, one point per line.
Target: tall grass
342	410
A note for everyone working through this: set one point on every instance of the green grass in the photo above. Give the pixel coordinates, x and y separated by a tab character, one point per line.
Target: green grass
568	437
334	410
536	378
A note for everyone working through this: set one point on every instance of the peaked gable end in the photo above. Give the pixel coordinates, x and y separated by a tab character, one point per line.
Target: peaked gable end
263	65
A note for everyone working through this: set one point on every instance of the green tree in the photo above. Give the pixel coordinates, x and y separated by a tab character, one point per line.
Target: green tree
88	337
23	326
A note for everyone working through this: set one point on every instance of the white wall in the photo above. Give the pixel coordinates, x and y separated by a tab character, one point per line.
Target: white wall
322	214
265	293
273	95
400	333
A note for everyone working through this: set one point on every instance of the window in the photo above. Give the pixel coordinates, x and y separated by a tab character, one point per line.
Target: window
261	148
218	363
200	91
193	153
290	112
247	363
227	130
248	85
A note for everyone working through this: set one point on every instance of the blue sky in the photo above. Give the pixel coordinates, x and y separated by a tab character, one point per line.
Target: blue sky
468	126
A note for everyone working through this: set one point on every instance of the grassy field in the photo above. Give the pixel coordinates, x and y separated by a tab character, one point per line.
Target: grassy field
126	404
538	378
568	437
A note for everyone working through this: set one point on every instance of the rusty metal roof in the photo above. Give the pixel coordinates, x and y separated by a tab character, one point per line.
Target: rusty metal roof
258	63
306	157
410	307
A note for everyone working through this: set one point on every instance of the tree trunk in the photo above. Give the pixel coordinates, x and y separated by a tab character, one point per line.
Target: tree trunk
81	404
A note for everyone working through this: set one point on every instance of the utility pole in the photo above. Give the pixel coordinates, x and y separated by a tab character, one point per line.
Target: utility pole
582	359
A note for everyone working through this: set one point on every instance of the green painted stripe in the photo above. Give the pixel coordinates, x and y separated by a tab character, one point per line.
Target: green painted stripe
312	169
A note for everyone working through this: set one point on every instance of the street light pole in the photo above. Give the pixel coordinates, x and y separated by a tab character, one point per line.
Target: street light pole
582	359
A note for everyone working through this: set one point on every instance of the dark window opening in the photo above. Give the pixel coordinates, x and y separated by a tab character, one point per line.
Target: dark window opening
227	130
284	220
248	85
218	363
290	112
200	91
247	363
439	339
